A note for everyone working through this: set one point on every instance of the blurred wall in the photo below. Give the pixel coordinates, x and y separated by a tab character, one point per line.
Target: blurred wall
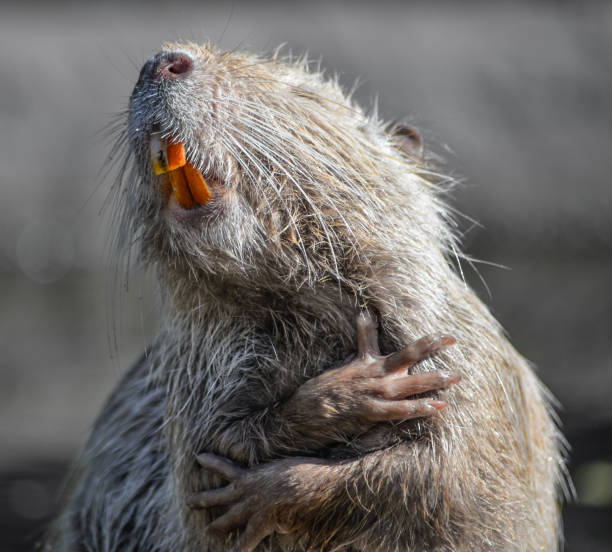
515	99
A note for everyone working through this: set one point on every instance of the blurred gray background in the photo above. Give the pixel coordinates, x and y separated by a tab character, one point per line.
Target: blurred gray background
514	97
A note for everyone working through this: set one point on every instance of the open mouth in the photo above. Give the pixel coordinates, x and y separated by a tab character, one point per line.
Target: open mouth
188	184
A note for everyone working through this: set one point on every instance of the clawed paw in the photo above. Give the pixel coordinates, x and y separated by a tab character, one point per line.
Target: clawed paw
257	499
373	387
387	381
347	400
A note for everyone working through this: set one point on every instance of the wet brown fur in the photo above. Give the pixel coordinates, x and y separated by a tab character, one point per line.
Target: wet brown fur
322	214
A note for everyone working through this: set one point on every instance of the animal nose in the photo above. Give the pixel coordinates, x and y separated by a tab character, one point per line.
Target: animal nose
174	65
167	66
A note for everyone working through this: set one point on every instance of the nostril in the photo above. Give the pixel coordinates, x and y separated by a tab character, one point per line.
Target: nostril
180	66
173	65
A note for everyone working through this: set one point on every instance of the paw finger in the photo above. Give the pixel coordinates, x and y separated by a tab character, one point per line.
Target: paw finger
367	335
256	530
417	351
235	517
214	497
394	387
384	411
224	467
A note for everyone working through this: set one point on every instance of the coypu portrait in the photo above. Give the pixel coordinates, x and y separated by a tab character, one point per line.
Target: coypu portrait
324	378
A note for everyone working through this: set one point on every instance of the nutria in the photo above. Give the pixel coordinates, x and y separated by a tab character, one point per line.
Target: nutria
262	417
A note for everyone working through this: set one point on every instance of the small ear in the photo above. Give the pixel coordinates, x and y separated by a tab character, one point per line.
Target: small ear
408	140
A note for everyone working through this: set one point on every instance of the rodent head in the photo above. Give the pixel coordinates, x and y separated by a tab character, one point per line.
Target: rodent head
304	184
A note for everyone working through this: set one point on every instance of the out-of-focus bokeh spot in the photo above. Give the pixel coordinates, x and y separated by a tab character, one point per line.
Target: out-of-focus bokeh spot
29	499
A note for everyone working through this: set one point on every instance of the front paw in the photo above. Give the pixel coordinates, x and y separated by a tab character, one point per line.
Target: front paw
372	388
263	500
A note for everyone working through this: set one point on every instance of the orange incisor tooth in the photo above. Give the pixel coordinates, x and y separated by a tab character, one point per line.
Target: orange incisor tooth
176	155
197	185
179	185
166	156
